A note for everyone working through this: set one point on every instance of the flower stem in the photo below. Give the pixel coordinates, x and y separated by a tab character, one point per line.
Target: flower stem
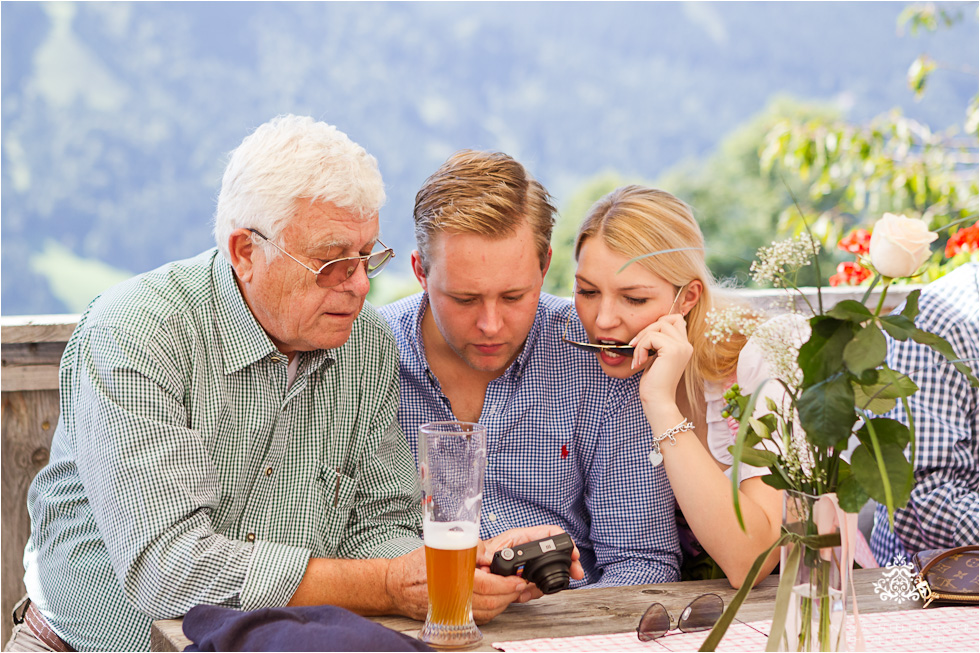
884	291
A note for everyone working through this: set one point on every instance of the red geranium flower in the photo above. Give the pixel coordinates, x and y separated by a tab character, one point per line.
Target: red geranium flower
856	242
850	274
964	240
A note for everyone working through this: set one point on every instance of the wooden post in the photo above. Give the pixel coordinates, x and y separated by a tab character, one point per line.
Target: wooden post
31	351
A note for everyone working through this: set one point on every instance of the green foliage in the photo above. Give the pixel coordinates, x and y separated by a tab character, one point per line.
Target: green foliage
737	203
855	172
560	279
390	287
927	16
843	383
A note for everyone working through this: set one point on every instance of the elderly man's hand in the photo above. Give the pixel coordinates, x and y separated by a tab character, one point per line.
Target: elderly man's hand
515	536
406	586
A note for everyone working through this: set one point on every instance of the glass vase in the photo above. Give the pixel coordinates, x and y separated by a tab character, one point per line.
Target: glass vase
815	613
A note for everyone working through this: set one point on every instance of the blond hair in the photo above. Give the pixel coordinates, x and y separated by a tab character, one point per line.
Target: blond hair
633	221
484	193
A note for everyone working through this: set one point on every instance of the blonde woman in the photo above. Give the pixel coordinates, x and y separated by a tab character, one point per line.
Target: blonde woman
659	304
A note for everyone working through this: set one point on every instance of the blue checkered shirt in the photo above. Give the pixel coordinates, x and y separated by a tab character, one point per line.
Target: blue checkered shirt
567	445
944	510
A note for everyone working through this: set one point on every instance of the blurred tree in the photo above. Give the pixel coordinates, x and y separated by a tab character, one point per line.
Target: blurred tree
738	203
735	201
855	172
560	279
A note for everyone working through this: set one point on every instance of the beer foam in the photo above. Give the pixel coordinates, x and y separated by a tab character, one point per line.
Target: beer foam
451	535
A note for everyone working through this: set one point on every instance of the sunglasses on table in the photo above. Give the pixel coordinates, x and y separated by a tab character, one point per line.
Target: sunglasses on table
334	273
700	614
622	350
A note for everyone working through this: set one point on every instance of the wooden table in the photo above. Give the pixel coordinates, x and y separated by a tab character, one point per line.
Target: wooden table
596	611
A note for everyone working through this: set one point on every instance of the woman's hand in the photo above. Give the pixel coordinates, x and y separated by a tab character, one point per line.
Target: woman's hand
668	338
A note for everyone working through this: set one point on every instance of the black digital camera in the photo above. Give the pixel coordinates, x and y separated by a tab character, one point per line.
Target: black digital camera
545	562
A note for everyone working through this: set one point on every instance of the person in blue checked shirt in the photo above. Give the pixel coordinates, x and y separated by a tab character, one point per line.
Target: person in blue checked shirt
944	509
228	431
567	445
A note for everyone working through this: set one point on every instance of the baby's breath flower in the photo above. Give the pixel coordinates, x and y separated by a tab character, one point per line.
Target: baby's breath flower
724	323
780	340
775	263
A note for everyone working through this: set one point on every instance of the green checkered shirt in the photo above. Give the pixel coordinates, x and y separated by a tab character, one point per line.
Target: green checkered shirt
184	471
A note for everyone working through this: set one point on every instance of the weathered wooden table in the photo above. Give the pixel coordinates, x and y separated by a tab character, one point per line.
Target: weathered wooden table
597	611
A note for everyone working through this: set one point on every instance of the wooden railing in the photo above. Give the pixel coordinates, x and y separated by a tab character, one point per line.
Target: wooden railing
31	352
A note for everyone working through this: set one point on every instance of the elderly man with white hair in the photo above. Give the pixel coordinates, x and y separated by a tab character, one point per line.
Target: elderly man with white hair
228	430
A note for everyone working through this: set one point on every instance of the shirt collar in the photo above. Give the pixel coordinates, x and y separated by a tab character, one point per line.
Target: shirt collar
243	341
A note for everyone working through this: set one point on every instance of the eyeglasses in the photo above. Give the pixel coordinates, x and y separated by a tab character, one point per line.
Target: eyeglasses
622	350
333	273
700	614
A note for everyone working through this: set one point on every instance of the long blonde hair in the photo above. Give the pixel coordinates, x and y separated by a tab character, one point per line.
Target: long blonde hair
633	221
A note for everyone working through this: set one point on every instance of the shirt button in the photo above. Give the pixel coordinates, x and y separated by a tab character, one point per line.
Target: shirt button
492	517
250	537
268	472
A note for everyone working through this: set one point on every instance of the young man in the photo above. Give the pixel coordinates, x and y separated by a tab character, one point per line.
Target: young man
228	431
482	343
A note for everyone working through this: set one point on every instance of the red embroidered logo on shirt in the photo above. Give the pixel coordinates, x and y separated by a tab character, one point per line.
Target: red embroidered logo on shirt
564	451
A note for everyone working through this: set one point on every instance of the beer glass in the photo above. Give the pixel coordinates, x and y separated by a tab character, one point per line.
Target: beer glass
452	459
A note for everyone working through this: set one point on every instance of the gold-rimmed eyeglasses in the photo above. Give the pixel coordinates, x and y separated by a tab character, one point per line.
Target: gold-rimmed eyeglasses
622	350
333	273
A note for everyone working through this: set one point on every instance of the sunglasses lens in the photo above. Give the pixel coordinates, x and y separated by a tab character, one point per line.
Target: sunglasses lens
337	273
588	346
654	623
701	613
377	262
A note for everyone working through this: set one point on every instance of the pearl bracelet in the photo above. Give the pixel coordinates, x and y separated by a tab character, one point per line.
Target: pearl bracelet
655	456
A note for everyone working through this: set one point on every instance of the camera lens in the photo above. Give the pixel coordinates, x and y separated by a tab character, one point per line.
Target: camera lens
549	572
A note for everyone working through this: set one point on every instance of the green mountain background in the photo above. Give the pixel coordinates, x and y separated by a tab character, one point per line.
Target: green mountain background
117	117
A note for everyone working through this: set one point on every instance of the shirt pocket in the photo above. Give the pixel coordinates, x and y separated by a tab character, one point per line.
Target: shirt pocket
338	492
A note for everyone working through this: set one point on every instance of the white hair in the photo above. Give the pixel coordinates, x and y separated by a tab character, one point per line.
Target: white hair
289	158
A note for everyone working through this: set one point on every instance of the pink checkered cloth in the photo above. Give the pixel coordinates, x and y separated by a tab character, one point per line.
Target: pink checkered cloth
935	629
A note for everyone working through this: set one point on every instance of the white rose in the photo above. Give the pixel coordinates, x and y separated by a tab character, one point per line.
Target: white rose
900	245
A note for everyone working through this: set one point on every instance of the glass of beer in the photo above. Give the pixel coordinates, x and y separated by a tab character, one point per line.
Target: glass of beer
452	460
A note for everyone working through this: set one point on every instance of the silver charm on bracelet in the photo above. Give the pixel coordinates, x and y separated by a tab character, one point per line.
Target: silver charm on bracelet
656	457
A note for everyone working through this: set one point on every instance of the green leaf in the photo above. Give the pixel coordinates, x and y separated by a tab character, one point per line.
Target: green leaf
865	399
898	327
889	431
851	310
850	494
865	470
939	344
823	354
759	428
777	481
911	308
827	411
725	620
919	72
878	398
757	457
895	384
866	350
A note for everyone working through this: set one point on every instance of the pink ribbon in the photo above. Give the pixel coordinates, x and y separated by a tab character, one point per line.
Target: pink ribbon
830	517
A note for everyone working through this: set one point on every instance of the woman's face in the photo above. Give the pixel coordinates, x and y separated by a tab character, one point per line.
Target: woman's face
615	307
